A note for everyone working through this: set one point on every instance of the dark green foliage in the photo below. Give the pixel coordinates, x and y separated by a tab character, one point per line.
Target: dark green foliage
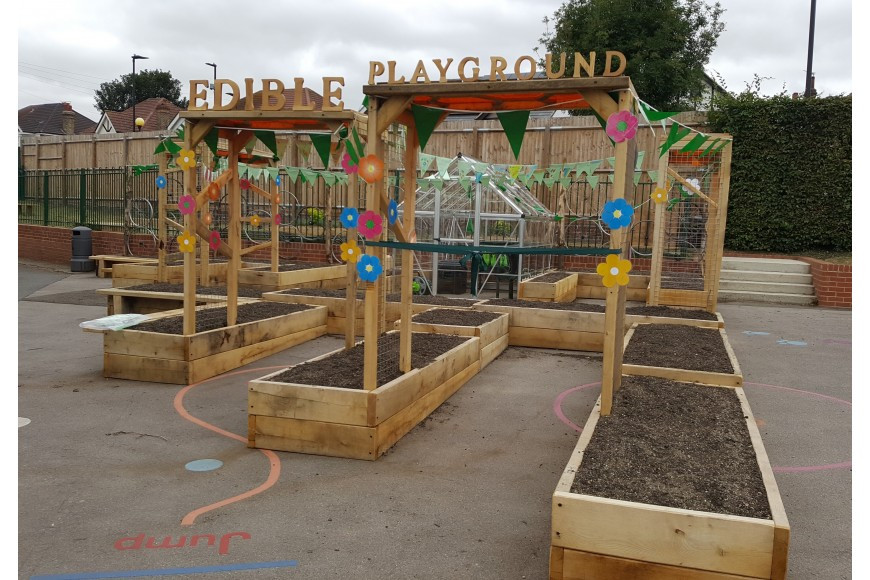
117	95
666	43
791	172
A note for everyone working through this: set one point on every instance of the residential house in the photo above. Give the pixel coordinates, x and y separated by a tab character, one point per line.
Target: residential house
53	119
159	114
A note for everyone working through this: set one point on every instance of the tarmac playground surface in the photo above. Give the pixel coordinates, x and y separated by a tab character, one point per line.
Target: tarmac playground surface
103	487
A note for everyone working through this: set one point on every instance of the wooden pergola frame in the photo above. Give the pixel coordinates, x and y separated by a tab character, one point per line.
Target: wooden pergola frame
391	103
237	127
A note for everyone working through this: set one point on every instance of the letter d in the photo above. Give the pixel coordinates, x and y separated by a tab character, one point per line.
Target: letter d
137	542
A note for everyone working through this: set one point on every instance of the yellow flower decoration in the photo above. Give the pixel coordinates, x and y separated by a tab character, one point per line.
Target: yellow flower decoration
660	195
186	159
186	242
255	220
614	271
350	252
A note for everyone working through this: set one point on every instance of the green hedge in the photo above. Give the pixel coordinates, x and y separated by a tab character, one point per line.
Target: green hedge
791	172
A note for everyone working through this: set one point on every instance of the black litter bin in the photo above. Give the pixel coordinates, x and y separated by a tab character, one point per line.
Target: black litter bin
82	250
452	278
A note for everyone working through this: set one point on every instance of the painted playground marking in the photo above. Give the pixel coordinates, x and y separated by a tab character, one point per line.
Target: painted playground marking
557	409
839	341
23	422
168	571
784	342
755	333
203	465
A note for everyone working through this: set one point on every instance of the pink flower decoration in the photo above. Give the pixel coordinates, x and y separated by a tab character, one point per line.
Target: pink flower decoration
370	224
186	204
214	240
348	165
621	126
276	219
244	184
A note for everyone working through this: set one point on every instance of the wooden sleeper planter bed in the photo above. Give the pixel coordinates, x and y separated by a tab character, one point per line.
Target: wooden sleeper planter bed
335	301
131	299
493	333
552	287
124	275
300	275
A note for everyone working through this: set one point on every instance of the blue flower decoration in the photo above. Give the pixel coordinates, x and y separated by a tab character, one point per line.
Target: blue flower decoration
369	268
277	180
160	181
392	211
617	214
349	216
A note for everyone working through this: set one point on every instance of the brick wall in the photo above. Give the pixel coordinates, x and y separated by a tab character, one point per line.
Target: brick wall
833	283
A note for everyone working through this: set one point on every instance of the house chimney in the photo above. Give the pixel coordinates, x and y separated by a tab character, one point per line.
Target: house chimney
69	120
164	117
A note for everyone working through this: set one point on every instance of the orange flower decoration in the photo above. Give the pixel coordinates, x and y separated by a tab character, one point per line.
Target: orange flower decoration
186	159
371	168
213	191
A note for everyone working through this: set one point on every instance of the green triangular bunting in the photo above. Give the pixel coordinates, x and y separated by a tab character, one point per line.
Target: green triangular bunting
425	119
243	170
612	162
550	180
675	135
292	173
443	163
425	162
308	175
514	124
329	177
639	162
255	172
653	176
593	181
694	144
273	173
211	139
322	143
267	138
565	181
464	167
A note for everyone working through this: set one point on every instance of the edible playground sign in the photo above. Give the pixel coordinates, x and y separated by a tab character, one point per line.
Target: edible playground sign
468	69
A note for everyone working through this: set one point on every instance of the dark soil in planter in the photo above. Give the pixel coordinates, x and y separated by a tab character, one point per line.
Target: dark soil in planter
577	306
436	300
456	317
680	283
677	445
551	277
206	290
293	267
670	312
678	346
214	318
345	369
339	293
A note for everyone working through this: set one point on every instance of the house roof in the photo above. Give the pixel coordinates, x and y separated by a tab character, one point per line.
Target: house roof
149	110
48	119
289	98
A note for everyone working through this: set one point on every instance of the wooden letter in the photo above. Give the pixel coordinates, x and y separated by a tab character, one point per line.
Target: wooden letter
475	72
420	71
299	96
249	94
531	74
219	95
196	95
268	93
442	70
391	78
329	92
496	71
608	56
549	64
376	69
588	66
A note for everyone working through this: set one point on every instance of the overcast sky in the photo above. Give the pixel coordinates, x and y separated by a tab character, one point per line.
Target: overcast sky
66	51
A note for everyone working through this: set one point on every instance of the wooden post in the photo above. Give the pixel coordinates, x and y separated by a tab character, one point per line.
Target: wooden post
372	310
327	219
189	257
234	229
722	212
162	161
203	247
655	279
350	308
614	313
276	233
410	187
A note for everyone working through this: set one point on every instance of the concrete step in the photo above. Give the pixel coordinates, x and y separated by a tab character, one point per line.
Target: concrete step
739	296
768	287
759	276
766	265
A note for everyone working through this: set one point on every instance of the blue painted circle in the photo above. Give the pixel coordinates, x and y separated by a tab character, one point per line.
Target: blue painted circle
203	465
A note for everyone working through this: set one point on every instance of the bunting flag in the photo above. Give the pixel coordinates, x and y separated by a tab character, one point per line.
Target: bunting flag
556	170
437	183
593	181
480	166
711	150
484	179
425	120
514	124
675	135
267	138
304	148
612	162
550	180
335	152
653	176
640	156
443	163
589	168
637	175
322	143
329	177
654	115
282	147
342	178
255	172
211	140
423	183
464	167
250	146
465	183
273	173
538	176
514	170
308	175
524	179
694	144
292	173
243	170
425	162
565	181
530	168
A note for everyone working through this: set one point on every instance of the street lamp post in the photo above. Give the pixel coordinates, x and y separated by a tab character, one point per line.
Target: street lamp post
214	86
133	84
808	90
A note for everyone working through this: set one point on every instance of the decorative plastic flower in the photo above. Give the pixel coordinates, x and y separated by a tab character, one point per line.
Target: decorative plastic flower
370	224
621	126
659	195
392	211
277	180
695	182
371	168
186	159
617	214
614	271
214	240
276	199
349	217
186	242
160	181
207	219
244	183
254	220
186	204
213	192
348	165
369	268
276	219
350	252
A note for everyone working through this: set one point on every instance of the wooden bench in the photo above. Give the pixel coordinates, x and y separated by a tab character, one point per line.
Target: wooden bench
105	263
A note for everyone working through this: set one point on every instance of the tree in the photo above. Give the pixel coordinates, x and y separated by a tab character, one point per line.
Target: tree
117	95
666	43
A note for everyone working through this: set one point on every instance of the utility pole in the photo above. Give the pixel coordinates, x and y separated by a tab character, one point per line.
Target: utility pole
810	87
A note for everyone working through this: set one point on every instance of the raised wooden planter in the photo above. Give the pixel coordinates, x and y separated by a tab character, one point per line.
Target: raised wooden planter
393	310
124	275
640	319
185	359
493	335
734	379
105	263
262	278
353	423
123	300
589	286
336	320
564	290
548	328
595	538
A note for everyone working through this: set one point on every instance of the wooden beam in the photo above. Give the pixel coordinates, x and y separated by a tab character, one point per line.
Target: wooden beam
234	229
162	243
602	102
189	323
372	310
261	246
390	111
410	202
658	249
275	229
260	191
556	86
350	328
198	132
673	173
716	259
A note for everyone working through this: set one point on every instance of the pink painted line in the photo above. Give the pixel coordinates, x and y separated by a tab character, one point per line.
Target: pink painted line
557	405
808	468
808	393
274	462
